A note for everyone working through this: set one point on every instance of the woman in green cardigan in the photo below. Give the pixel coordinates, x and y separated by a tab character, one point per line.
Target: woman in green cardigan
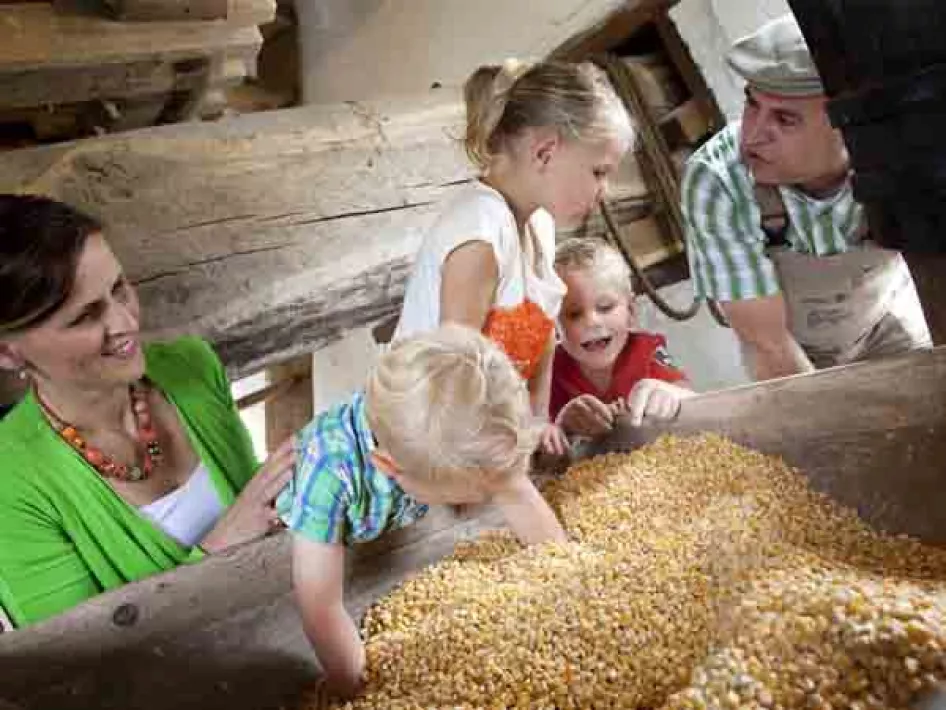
123	460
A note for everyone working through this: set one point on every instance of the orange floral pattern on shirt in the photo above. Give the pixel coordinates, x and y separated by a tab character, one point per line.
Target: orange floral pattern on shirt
523	332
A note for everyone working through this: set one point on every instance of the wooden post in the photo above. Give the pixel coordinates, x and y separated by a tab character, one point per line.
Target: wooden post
291	409
682	60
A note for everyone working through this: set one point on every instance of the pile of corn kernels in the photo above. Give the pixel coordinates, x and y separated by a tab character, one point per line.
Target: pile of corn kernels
700	575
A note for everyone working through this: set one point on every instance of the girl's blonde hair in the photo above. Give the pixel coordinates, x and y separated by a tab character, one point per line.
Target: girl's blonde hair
597	257
448	404
503	100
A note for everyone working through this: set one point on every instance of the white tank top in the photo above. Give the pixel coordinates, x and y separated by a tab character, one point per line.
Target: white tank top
188	513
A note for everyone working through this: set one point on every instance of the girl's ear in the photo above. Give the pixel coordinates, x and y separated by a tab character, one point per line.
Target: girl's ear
384	463
545	144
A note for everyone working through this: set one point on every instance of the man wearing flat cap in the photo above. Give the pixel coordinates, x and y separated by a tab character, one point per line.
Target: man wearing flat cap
774	234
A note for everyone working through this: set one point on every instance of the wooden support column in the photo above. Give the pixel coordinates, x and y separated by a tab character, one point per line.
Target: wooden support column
291	408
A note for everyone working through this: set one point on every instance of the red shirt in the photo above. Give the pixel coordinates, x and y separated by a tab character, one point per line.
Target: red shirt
643	357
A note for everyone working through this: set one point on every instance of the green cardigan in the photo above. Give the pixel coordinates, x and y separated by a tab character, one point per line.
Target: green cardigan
65	535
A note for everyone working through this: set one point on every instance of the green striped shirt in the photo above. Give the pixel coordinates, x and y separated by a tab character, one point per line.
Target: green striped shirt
725	242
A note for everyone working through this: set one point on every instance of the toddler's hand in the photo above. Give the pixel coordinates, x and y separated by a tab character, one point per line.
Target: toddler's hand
553	440
586	415
657	399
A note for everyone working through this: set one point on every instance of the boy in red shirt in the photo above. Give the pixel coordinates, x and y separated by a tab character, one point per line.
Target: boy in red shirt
603	367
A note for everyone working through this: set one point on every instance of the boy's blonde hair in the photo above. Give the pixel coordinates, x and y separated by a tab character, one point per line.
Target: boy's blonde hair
597	257
449	403
503	100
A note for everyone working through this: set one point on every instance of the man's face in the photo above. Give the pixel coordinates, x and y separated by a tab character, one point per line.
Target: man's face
789	140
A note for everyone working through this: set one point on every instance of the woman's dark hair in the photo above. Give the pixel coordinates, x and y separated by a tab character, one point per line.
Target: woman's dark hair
40	244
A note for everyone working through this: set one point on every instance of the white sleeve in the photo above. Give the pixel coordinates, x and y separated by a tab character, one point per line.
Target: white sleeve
475	215
478	217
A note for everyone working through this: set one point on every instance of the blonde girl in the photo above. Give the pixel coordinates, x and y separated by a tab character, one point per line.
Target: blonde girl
544	138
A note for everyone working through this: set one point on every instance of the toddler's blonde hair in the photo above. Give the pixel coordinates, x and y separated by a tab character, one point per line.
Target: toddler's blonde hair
595	256
448	404
503	100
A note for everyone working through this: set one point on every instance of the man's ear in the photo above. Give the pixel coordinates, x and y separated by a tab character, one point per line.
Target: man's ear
386	464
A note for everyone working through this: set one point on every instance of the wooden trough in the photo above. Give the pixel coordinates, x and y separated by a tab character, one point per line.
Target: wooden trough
224	633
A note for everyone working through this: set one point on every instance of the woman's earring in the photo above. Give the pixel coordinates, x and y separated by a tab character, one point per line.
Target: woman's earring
21	374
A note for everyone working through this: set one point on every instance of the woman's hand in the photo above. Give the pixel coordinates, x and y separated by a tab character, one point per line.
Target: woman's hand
253	513
655	398
553	440
586	415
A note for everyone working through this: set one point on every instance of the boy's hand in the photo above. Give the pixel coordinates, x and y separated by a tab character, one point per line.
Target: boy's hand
553	440
586	415
657	399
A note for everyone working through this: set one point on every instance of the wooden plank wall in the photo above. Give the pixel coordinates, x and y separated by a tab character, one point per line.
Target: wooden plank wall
67	70
37	38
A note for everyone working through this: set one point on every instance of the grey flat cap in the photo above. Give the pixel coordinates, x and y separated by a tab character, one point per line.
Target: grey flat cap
775	59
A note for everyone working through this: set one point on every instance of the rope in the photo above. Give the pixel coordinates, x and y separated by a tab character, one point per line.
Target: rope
656	164
646	284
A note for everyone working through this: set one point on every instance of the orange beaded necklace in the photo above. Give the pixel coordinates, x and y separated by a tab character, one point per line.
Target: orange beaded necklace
101	462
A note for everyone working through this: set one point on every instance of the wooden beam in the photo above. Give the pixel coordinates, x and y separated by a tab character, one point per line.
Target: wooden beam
272	234
36	87
269	392
40	87
388	48
35	37
611	31
688	124
168	10
172	644
683	62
